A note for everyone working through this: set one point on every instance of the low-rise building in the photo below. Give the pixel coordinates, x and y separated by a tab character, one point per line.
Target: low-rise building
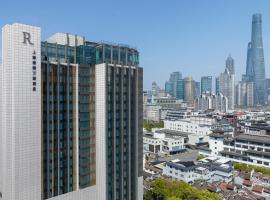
198	130
245	148
208	169
164	142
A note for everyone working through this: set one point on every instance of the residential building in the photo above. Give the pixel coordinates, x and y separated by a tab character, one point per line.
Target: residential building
152	112
69	111
245	94
206	84
210	101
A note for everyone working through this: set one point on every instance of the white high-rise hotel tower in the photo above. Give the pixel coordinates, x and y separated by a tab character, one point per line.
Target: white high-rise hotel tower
70	118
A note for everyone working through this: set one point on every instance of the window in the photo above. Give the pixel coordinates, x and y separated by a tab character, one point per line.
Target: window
266	163
259	162
259	149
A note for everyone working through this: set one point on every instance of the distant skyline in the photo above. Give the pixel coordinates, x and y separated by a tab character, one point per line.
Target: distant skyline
193	37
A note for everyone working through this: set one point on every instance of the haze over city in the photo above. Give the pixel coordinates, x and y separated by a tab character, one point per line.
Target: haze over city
135	100
193	37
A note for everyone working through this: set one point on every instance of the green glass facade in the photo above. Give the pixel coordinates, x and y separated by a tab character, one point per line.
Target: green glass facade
68	75
180	89
58	128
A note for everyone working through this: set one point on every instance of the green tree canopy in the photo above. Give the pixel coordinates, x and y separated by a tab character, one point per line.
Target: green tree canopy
149	125
162	189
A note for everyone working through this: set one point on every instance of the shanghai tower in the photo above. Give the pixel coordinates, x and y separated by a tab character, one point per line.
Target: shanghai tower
255	69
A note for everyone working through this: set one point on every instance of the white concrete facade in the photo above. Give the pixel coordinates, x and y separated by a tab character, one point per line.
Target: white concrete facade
198	133
20	113
101	131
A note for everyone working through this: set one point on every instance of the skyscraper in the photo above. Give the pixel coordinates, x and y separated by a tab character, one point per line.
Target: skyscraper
180	89
70	118
230	64
189	90
206	84
249	65
155	89
171	85
226	87
255	67
217	85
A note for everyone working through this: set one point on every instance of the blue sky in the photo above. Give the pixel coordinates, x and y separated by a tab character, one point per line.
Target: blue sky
190	36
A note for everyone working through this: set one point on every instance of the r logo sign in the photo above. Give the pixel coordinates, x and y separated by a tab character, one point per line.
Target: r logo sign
27	38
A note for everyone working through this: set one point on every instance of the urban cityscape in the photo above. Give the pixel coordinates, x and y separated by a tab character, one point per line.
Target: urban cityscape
88	120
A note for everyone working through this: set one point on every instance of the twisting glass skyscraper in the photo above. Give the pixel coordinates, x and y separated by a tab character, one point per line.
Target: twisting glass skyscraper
255	59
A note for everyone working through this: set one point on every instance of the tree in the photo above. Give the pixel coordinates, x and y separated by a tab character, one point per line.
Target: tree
149	125
248	168
163	189
200	156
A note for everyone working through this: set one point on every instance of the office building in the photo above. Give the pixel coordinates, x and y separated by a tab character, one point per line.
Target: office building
169	88
180	89
197	88
249	76
217	85
226	87
189	90
206	84
255	67
71	118
267	88
155	89
171	85
230	64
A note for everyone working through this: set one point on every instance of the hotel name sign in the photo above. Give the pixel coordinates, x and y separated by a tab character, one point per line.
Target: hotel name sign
27	41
